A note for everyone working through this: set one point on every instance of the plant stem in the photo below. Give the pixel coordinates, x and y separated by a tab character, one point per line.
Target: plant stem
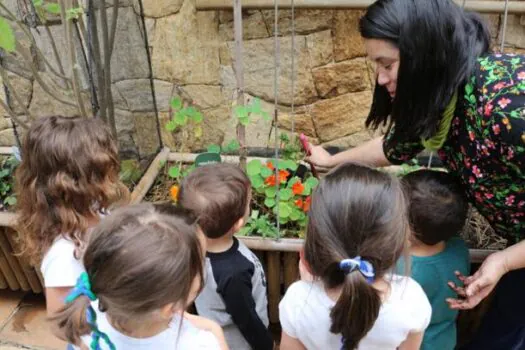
55	53
96	57
12	91
239	76
13	115
107	69
65	4
113	32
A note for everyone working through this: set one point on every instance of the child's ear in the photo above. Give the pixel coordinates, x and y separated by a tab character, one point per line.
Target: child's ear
168	310
239	224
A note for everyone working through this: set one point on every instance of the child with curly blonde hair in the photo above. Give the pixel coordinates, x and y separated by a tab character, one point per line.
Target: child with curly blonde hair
67	179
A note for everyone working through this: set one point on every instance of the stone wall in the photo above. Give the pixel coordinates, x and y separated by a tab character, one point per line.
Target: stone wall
193	57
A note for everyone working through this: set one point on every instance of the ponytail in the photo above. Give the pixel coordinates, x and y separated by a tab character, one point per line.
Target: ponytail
71	321
78	318
356	310
358	306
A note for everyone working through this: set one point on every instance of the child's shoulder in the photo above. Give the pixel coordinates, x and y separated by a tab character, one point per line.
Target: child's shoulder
406	288
410	299
60	267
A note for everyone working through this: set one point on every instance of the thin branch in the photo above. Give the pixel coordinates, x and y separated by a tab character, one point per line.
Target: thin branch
113	31
96	56
55	53
13	92
107	69
12	114
23	27
72	56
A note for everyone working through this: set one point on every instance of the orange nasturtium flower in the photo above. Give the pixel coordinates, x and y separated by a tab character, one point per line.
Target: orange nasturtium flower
283	175
269	165
270	180
297	188
174	192
299	203
307	202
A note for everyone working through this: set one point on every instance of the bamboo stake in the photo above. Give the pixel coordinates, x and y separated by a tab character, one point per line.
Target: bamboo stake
239	77
95	55
291	268
149	177
107	70
64	4
478	6
274	285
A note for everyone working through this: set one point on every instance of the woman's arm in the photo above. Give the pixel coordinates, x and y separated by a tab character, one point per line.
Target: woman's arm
289	343
369	153
412	342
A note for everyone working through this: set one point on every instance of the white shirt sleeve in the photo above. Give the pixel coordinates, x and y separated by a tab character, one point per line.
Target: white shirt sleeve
421	310
59	266
288	311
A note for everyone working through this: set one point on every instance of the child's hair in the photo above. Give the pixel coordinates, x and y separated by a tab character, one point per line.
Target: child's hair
355	212
218	194
437	206
68	174
139	259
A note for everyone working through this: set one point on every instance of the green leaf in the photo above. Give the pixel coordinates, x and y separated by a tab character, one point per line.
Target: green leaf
197	117
38	3
180	118
197	131
240	112
265	171
312	182
244	120
307	190
7	37
214	148
271	192
253	167
232	146
11	200
176	103
257	181
287	164
52	8
269	202
74	13
284	210
285	194
190	111
174	172
171	126
255	214
188	170
469	89
295	215
256	106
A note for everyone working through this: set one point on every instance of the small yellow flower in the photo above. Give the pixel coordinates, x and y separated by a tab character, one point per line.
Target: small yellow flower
174	192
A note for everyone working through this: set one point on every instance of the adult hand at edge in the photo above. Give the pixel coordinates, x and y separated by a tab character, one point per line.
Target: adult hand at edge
481	284
319	156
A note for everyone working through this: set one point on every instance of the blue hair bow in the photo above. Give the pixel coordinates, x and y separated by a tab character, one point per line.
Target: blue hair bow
364	267
83	288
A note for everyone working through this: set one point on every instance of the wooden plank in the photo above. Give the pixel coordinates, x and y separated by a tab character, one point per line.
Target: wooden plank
274	285
149	177
470	5
10	277
3	282
8	219
13	262
29	271
291	268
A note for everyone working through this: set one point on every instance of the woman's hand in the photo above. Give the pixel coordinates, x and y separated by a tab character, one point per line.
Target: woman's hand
478	286
319	156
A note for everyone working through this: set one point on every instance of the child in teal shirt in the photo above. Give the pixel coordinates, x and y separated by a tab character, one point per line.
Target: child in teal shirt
437	211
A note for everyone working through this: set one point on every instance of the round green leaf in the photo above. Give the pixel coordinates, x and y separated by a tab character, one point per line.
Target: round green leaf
285	194
265	171
312	182
176	103
271	192
52	8
257	181
7	37
214	149
171	126
284	210
269	202
254	167
295	215
174	172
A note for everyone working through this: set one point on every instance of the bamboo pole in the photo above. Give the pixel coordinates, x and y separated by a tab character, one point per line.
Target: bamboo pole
478	6
239	77
274	285
149	177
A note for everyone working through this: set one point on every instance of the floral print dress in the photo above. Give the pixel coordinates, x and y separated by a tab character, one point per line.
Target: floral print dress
485	147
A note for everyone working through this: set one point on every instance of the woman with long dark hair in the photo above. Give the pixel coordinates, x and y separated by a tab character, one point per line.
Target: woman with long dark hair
439	88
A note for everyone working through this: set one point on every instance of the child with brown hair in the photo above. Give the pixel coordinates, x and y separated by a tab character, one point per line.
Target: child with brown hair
67	179
357	230
144	265
234	294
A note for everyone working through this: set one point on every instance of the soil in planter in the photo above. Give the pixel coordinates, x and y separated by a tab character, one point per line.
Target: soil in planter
160	191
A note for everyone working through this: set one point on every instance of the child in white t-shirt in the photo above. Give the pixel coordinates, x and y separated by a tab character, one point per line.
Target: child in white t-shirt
67	178
144	266
357	230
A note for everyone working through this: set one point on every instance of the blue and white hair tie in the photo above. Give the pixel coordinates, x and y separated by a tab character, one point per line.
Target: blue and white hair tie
364	267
